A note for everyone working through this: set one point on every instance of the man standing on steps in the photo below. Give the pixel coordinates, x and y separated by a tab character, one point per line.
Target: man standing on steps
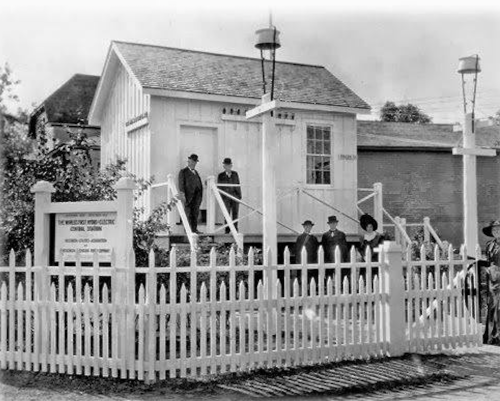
191	191
228	176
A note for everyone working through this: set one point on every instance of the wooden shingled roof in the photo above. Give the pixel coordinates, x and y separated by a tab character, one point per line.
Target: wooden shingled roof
217	74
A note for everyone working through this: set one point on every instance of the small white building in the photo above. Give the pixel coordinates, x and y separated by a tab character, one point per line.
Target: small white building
156	105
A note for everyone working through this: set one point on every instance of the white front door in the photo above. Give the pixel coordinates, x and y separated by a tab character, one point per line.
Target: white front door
201	141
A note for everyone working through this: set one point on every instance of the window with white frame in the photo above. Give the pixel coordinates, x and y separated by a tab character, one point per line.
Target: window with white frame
319	153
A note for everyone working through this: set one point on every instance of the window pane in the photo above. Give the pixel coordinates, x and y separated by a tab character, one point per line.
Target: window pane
326	148
326	163
326	177
319	148
318	179
318	163
326	133
319	133
310	146
310	132
310	163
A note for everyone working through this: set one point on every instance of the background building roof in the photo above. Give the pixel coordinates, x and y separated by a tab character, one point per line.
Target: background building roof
218	74
378	134
70	103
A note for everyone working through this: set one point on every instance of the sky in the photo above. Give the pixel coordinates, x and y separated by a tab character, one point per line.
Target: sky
402	51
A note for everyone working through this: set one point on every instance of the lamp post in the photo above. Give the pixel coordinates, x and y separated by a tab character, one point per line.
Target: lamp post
469	67
268	42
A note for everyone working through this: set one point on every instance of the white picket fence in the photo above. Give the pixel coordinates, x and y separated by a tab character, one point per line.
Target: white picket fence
142	323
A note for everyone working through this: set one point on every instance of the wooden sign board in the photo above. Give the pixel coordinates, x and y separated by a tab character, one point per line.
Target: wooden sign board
86	233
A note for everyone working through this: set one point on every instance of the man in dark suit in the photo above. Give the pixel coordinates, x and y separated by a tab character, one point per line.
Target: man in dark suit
191	190
333	238
228	176
308	241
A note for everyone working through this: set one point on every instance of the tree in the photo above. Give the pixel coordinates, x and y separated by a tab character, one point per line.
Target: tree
405	113
68	166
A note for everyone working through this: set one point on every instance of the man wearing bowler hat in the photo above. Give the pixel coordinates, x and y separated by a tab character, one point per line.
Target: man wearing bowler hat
308	241
333	238
228	176
191	190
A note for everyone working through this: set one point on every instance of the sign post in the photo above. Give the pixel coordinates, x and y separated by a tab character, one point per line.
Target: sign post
269	226
469	152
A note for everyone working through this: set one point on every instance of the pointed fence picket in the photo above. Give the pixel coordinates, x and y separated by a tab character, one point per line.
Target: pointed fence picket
94	320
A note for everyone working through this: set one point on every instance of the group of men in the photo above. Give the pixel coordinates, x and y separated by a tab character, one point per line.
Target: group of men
329	241
191	190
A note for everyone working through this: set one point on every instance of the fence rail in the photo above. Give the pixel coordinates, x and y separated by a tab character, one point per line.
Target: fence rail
158	322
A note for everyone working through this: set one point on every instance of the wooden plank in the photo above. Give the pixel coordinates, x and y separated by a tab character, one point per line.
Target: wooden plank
232	309
260	324
203	333
78	317
29	311
114	313
213	312
61	323
53	329
182	310
296	321
140	329
162	322
87	330
278	318
3	326
71	330
20	343
151	327
194	316
106	357
222	328
95	314
173	310
12	309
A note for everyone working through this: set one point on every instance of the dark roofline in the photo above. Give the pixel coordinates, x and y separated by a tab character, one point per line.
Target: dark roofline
215	54
67	81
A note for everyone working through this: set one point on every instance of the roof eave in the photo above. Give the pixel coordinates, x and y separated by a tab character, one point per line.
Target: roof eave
250	101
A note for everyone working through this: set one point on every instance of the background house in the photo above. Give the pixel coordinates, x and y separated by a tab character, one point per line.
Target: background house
68	108
421	177
156	105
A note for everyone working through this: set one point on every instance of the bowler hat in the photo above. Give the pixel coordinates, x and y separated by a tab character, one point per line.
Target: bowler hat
367	219
488	230
332	219
227	160
194	157
308	222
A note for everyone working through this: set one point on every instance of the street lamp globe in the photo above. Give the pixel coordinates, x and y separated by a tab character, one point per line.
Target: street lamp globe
268	40
469	66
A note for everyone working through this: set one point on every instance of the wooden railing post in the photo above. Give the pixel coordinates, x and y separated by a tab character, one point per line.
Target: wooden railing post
397	232
393	283
210	205
427	234
378	206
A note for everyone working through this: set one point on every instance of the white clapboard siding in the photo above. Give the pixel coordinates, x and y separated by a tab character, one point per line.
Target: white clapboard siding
229	322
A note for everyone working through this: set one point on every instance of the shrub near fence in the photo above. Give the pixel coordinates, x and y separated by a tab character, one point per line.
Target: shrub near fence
69	320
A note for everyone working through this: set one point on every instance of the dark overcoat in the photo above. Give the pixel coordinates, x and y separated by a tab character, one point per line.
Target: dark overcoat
190	184
311	244
330	240
222	178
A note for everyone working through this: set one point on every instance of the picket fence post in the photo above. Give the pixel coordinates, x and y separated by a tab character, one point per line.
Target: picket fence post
43	191
395	305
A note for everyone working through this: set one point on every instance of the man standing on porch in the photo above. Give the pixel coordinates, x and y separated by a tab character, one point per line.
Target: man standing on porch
228	176
191	190
333	238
